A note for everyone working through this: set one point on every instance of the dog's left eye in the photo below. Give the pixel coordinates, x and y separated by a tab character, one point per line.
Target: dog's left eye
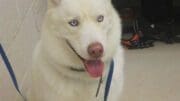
74	22
100	18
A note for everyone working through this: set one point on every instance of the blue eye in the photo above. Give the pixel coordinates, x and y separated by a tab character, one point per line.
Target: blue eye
100	18
74	22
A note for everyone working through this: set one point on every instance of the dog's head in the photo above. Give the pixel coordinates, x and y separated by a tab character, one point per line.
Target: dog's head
90	28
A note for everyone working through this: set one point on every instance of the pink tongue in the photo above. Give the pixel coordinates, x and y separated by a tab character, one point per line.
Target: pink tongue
94	67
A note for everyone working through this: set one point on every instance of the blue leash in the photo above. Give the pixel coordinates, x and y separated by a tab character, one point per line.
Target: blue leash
10	70
109	80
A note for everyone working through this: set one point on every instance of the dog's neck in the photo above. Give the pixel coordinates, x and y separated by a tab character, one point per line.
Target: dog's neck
74	73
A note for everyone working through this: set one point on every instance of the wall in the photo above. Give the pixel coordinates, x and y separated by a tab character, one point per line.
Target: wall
20	22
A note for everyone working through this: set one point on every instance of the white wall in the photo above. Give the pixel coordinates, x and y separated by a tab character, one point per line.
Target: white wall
20	22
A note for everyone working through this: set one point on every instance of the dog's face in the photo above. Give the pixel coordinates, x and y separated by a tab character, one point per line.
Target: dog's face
86	27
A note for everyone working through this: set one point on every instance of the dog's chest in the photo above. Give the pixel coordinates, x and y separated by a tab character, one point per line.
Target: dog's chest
67	90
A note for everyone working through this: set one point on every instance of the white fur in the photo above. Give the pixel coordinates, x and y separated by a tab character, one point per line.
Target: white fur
51	75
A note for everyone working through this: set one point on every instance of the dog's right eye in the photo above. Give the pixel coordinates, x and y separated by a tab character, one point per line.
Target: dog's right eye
74	22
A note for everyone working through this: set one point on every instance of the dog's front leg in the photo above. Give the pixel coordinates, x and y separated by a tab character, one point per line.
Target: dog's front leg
115	91
117	80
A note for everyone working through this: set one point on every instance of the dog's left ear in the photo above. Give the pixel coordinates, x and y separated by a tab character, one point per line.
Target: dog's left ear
53	3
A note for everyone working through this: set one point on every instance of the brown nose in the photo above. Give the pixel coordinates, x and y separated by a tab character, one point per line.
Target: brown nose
95	50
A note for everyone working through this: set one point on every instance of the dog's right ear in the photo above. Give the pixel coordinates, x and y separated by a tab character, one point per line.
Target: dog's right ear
53	3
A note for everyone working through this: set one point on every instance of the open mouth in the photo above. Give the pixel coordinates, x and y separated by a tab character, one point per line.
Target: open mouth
94	67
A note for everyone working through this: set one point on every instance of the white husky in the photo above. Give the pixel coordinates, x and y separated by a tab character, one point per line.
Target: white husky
79	40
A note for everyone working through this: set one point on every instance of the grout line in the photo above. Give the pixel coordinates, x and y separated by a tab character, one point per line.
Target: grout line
17	8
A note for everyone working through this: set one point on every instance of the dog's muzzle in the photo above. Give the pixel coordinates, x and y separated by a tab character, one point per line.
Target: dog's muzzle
72	68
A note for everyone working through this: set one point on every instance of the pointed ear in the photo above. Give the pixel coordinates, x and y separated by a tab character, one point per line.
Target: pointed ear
53	3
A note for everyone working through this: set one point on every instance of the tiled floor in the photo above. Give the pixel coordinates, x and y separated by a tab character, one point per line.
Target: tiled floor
151	74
